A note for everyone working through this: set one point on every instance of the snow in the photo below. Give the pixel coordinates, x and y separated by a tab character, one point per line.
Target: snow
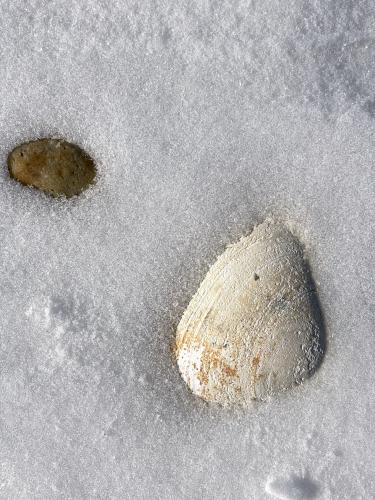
204	118
293	487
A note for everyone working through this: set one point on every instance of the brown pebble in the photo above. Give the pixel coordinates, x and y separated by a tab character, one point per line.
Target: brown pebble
52	165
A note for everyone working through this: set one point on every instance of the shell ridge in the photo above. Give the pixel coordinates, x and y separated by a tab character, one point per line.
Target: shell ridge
222	262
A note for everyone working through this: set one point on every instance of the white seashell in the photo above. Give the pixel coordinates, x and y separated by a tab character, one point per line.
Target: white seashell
253	328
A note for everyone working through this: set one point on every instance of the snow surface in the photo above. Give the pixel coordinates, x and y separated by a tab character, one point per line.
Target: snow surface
204	117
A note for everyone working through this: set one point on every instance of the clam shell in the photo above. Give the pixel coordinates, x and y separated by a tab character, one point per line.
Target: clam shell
52	165
253	328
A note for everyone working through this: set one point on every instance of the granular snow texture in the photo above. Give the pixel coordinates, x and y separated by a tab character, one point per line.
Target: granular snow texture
204	117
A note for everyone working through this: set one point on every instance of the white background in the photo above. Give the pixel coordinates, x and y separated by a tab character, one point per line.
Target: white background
204	118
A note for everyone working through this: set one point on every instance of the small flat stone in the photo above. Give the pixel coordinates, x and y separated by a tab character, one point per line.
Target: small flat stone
54	166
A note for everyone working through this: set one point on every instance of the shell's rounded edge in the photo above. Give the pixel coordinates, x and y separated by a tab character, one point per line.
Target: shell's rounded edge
52	165
254	327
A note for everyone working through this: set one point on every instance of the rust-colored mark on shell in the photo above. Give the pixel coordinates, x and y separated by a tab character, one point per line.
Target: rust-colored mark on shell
212	359
255	368
54	166
210	363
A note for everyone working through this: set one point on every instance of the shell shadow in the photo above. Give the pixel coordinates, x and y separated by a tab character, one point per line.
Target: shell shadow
321	338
